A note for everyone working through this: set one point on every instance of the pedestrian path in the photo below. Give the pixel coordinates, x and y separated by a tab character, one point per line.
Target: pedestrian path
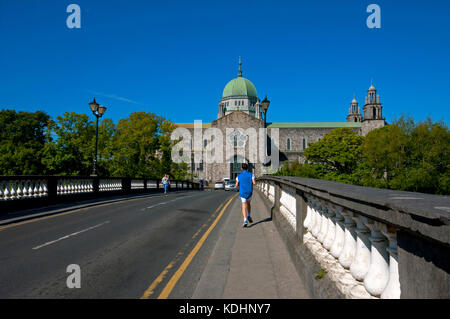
250	263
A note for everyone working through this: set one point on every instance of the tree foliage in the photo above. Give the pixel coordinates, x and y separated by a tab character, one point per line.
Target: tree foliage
404	155
22	139
139	146
142	147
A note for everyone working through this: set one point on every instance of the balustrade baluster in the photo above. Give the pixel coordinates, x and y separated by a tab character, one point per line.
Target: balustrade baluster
318	217
19	193
331	228
392	290
25	194
13	191
361	262
7	193
40	190
44	189
308	219
378	274
338	242
324	222
315	217
348	251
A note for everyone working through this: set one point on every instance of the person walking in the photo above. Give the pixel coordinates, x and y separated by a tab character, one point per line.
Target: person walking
245	180
166	182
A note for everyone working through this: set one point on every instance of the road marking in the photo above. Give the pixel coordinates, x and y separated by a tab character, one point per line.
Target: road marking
71	235
172	282
76	210
405	197
163	203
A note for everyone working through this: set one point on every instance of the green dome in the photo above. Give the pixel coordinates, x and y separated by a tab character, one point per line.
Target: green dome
239	86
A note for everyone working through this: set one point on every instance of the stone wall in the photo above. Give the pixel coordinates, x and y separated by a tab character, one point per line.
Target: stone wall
370	125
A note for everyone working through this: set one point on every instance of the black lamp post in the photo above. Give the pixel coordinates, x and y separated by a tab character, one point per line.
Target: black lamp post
265	106
98	111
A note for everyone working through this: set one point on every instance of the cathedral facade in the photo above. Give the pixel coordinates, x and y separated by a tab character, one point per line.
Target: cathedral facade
241	111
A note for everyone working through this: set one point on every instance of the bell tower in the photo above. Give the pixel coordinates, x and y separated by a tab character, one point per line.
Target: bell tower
354	113
372	108
373	116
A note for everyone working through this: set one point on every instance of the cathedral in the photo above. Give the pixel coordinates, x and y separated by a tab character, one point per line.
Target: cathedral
241	110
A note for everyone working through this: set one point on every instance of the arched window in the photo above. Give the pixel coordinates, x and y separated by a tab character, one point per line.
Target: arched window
235	141
205	143
304	143
288	144
374	113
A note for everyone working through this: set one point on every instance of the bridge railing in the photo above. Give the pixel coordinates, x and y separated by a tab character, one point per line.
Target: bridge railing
370	243
19	192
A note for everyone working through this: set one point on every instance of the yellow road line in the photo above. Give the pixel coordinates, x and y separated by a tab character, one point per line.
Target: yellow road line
163	274
172	282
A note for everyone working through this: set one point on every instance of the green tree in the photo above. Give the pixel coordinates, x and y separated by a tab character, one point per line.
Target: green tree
23	136
74	150
428	160
142	147
106	131
384	155
336	155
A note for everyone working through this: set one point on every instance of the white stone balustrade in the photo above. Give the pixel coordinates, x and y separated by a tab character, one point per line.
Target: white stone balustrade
110	185
359	254
22	189
137	184
67	186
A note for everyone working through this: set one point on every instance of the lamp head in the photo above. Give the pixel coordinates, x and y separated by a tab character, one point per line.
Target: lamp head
265	104
94	105
101	110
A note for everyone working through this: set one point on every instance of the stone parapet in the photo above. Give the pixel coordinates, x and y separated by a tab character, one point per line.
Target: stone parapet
365	242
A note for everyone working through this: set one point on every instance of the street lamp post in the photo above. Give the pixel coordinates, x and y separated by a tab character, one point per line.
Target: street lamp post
98	111
265	106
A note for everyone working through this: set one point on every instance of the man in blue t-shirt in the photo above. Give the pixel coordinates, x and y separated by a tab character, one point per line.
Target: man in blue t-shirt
245	180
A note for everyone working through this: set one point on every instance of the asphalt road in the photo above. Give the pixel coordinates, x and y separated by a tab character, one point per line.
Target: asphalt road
126	249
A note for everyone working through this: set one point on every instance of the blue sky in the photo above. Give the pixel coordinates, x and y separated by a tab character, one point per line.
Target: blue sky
174	58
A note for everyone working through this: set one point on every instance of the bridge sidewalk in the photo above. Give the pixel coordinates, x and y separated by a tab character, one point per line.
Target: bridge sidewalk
252	262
